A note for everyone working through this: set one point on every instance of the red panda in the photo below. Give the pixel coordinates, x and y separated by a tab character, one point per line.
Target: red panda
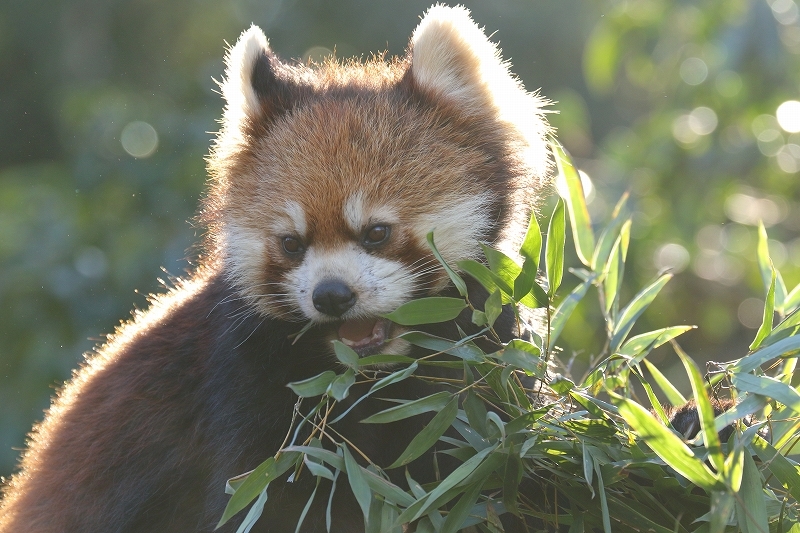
324	181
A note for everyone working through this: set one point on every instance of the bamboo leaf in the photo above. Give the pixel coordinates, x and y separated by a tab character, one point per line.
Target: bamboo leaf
505	271
423	504
636	346
667	445
752	512
705	412
768	386
428	436
357	482
340	387
576	204
427	311
769	311
308	388
609	234
634	310
434	402
565	309
257	482
555	248
786	347
345	354
493	307
768	271
460	349
674	397
531	248
457	280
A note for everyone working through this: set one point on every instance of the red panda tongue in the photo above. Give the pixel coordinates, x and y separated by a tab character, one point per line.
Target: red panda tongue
357	331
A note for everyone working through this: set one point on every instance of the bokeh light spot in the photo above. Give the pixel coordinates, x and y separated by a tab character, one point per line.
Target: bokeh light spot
671	256
788	115
694	71
139	139
751	313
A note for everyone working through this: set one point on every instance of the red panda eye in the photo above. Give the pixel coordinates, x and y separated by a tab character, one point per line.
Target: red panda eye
292	246
376	235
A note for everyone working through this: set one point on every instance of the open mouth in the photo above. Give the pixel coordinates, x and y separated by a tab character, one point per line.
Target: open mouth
365	335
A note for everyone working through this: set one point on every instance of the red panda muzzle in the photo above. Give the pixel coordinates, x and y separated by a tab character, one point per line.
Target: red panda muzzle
365	335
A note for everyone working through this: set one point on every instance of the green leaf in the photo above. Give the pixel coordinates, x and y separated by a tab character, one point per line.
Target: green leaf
554	252
427	311
428	436
504	272
357	482
475	410
786	472
306	508
667	445
576	204
705	412
565	309
792	300
340	387
645	342
532	244
460	511
493	307
768	386
454	277
674	397
769	311
752	512
484	276
614	270
394	377
463	350
434	402
609	235
785	347
526	279
634	310
345	354
257	482
768	271
423	504
788	326
308	388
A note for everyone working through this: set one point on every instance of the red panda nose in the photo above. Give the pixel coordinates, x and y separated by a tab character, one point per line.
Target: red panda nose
333	297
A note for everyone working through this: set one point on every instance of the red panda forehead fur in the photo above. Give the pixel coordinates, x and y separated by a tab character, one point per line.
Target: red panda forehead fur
347	162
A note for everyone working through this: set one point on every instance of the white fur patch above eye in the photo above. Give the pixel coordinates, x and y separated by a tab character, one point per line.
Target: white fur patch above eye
298	216
354	211
359	214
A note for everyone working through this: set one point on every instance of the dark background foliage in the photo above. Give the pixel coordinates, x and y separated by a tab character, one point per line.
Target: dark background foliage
106	108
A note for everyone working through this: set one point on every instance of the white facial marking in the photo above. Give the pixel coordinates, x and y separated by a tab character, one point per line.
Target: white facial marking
354	212
457	228
298	217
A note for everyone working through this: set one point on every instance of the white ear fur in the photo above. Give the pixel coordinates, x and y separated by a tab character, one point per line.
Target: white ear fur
452	57
237	88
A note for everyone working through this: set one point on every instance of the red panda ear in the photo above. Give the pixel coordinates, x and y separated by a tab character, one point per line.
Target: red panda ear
252	88
452	58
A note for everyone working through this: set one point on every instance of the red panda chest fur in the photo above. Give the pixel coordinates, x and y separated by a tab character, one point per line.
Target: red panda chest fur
325	182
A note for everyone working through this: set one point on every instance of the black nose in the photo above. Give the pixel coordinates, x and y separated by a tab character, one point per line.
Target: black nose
333	297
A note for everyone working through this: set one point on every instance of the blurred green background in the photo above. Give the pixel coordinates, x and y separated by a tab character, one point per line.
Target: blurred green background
106	108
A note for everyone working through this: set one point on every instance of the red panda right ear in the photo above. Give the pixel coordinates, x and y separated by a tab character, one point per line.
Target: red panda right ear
252	87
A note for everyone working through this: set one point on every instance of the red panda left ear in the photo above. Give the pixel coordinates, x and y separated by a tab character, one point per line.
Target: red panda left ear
454	60
253	87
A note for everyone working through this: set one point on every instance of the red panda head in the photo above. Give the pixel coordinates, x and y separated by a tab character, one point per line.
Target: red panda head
327	178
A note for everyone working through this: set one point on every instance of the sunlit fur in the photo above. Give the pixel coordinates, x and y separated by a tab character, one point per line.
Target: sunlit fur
193	391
